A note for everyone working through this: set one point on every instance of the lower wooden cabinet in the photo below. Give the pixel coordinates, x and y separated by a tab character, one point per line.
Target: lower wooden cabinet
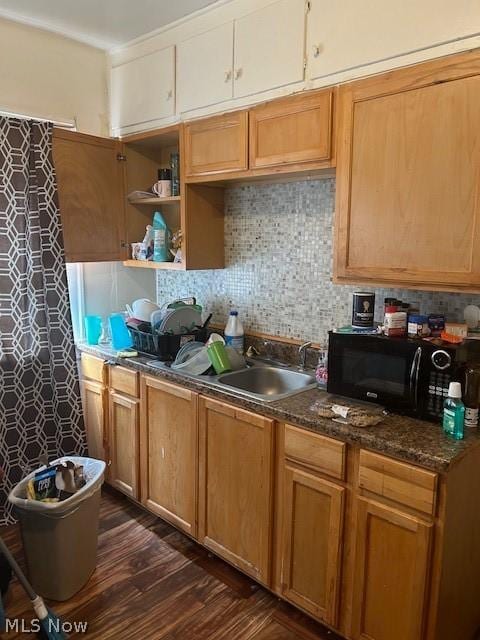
391	569
124	443
169	437
94	396
312	541
235	486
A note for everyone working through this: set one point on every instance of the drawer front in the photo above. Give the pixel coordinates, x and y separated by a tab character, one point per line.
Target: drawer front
292	131
398	481
316	451
217	144
124	380
93	368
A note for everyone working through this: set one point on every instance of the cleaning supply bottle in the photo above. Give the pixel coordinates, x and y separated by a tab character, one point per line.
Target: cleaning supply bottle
454	412
234	336
161	237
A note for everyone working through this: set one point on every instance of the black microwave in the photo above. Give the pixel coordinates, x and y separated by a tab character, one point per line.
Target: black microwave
406	375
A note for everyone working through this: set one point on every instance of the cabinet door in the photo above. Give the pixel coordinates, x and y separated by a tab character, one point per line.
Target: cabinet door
143	91
94	400
349	34
217	144
408	179
291	131
269	48
168	446
90	192
235	486
204	68
313	522
391	566
123	413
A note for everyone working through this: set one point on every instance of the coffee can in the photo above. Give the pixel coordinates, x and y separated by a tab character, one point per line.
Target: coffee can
363	310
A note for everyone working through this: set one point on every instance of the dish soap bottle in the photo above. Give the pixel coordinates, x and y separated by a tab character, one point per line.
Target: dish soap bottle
454	412
234	336
161	236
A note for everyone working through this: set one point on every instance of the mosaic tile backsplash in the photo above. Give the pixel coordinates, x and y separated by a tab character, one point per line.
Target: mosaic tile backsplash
278	251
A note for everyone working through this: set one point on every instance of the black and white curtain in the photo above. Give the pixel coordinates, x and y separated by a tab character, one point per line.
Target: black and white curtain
40	407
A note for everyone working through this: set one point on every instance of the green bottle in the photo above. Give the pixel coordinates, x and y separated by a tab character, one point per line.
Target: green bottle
454	412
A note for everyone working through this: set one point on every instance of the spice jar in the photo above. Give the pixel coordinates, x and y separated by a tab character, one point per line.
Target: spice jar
418	326
395	322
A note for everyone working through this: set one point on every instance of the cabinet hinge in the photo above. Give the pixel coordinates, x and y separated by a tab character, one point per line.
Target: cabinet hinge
124	245
121	157
307	6
304	63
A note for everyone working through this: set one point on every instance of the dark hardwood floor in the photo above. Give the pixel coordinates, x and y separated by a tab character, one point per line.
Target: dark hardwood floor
153	582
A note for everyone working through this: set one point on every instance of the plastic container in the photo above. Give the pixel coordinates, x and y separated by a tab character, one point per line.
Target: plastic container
454	412
60	539
234	335
436	323
93	329
395	322
218	356
121	338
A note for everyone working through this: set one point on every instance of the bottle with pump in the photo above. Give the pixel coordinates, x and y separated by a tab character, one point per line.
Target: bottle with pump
454	412
234	336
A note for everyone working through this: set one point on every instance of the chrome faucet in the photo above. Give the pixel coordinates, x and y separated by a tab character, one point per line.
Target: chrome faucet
302	354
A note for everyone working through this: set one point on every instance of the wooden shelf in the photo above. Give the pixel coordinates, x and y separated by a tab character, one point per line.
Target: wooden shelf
149	264
154	200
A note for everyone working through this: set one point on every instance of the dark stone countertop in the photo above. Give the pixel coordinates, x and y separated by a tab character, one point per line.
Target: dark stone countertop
417	441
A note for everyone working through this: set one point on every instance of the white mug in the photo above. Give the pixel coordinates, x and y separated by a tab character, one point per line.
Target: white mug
162	188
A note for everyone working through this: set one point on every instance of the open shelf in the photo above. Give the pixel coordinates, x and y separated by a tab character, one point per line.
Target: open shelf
156	200
149	264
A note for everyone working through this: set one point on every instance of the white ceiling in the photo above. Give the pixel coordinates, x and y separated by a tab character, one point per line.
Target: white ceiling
103	23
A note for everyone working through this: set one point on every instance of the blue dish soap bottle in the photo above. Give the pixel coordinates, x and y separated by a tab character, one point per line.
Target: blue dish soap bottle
454	412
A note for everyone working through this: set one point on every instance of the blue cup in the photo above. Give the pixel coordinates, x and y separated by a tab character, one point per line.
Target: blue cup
93	329
121	338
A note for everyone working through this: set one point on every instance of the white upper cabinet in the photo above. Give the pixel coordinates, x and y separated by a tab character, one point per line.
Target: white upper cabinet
269	48
204	68
351	33
143	91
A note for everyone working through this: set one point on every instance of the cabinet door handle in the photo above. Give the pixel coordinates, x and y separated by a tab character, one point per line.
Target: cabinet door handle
169	94
228	75
238	73
317	49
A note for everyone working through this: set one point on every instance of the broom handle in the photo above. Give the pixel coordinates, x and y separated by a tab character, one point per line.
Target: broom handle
17	571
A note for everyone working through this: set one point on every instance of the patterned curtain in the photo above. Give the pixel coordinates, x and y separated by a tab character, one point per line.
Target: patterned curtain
40	407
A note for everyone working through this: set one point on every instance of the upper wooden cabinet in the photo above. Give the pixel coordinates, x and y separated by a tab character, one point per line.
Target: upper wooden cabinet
235	486
292	130
378	30
217	144
407	202
95	176
260	63
143	91
90	192
168	452
391	572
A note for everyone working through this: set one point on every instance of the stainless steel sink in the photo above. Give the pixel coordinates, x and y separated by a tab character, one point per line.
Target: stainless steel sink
267	383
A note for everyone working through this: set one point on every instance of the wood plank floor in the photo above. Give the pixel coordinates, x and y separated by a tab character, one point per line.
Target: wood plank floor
153	582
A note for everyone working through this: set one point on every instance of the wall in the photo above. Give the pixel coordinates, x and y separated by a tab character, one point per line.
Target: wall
45	75
278	241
